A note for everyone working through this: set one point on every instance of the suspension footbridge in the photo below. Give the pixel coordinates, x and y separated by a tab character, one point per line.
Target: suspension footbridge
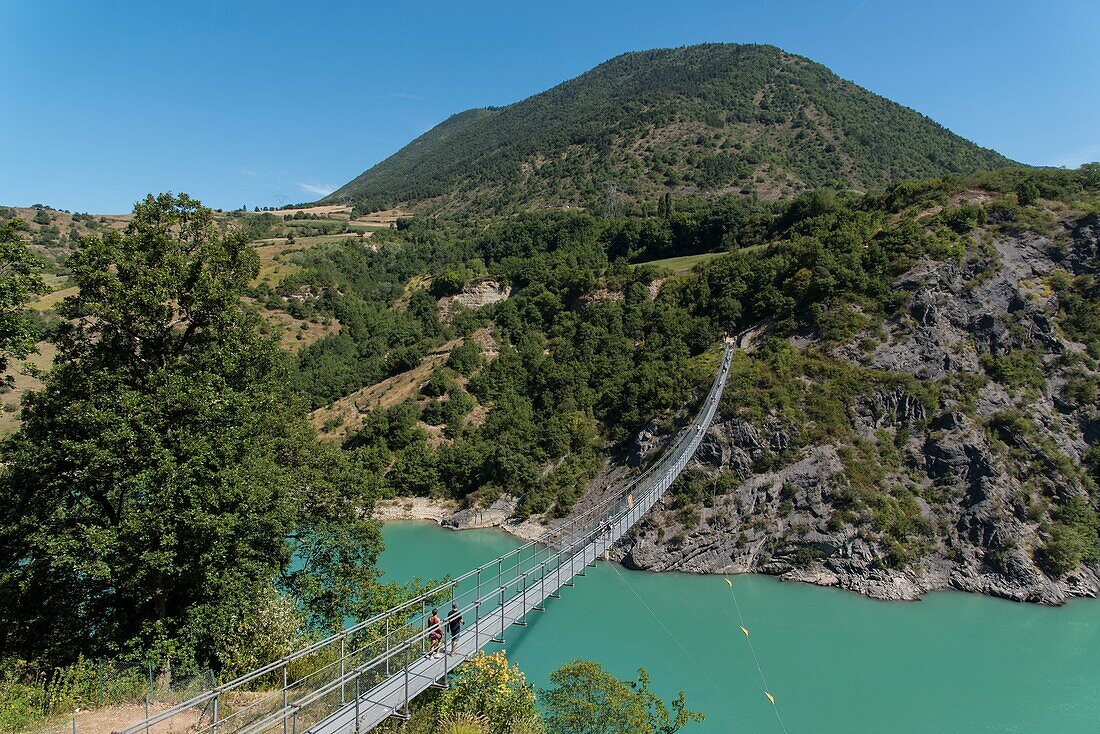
371	671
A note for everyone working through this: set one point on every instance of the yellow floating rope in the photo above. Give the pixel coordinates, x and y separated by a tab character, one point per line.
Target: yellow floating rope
759	669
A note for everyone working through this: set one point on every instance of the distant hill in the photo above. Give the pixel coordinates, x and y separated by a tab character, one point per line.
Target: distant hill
707	120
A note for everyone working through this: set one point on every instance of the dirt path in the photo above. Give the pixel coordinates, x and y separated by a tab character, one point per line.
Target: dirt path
109	719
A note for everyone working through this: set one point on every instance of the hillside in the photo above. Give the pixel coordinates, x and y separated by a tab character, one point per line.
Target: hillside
702	120
920	413
278	237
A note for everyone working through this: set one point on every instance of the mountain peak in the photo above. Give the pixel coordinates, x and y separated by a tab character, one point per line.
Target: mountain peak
709	120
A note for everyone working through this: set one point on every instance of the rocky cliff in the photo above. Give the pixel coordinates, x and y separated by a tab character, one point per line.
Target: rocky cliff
960	457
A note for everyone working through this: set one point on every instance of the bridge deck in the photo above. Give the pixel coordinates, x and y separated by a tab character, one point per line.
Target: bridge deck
391	697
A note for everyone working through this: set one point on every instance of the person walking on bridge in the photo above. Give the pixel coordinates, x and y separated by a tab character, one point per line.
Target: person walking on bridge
454	626
435	634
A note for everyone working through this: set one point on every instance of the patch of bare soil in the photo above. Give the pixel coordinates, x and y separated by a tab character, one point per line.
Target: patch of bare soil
346	414
414	508
328	210
296	334
484	338
109	719
10	398
383	218
602	294
477	415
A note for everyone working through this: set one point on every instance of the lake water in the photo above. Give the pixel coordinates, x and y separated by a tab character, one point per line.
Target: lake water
835	661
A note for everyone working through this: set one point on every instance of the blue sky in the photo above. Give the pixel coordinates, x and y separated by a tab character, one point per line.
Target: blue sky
264	103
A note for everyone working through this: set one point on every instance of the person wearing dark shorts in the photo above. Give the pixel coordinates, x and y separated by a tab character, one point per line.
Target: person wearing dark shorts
435	634
454	625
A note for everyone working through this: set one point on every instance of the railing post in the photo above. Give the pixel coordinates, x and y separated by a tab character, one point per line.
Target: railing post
343	639
521	621
387	646
214	715
407	713
477	613
284	698
357	695
446	665
557	569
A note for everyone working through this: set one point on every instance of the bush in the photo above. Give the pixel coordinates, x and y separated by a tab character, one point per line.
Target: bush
586	699
447	283
1027	193
488	687
465	358
1073	538
1017	369
438	384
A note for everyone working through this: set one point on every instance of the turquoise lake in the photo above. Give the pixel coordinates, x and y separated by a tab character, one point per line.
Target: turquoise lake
835	661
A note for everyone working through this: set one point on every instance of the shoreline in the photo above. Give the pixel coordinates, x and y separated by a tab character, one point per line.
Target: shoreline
431	509
428	509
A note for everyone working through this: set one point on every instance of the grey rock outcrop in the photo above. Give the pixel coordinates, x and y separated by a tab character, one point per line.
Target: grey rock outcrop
981	462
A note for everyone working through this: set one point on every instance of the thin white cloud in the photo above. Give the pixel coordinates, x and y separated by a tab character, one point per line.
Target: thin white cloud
404	95
1088	154
319	189
246	171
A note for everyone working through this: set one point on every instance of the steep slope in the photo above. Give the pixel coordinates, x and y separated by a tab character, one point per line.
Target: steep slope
921	413
709	119
953	444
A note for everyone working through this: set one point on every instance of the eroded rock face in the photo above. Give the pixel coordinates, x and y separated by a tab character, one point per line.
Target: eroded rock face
481	293
475	294
492	516
979	481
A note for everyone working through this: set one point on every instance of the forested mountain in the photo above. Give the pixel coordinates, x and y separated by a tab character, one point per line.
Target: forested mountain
707	120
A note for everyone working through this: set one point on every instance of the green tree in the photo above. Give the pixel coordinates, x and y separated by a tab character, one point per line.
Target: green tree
1090	175
465	358
447	283
586	699
19	283
165	476
1027	193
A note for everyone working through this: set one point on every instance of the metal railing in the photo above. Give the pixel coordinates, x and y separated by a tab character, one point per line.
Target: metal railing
375	663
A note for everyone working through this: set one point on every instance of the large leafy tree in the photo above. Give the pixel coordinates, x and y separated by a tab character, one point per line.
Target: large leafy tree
165	478
19	283
586	699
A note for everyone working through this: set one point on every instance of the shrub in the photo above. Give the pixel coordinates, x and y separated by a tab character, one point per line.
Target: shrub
465	358
488	687
1017	369
447	283
1073	538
